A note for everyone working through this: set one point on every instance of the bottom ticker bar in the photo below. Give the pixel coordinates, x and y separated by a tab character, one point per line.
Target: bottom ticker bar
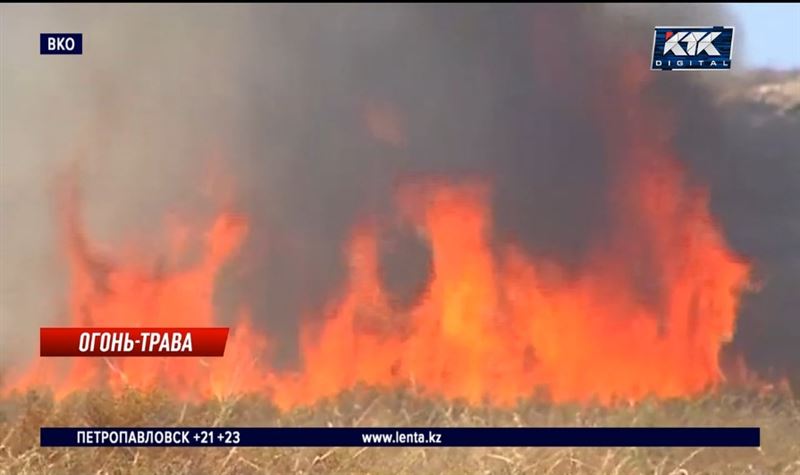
401	437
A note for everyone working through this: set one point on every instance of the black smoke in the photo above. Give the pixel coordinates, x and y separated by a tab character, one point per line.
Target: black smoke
506	92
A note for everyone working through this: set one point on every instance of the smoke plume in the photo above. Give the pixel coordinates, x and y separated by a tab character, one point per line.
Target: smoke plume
317	114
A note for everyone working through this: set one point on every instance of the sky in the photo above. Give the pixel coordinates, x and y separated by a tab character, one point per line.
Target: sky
770	34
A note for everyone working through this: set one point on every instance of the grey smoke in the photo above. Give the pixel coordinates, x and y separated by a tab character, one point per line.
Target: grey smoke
277	91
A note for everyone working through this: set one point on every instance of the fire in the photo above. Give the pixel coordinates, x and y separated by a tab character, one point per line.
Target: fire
105	293
494	324
497	326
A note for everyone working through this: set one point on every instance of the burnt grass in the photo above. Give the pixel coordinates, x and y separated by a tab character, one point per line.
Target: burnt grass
21	415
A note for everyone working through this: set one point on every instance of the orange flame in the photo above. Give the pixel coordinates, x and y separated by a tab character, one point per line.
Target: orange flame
494	324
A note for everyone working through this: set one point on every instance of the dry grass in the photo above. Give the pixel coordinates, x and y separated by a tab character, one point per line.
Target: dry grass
21	416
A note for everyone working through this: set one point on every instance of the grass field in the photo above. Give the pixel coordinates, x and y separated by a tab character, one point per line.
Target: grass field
777	413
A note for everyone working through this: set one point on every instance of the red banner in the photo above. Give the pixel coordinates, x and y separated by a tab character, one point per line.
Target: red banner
132	341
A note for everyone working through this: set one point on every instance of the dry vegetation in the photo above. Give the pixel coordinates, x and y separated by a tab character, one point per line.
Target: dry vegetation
777	413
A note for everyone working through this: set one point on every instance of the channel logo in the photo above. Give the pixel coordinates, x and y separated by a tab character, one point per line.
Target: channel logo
692	48
61	43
